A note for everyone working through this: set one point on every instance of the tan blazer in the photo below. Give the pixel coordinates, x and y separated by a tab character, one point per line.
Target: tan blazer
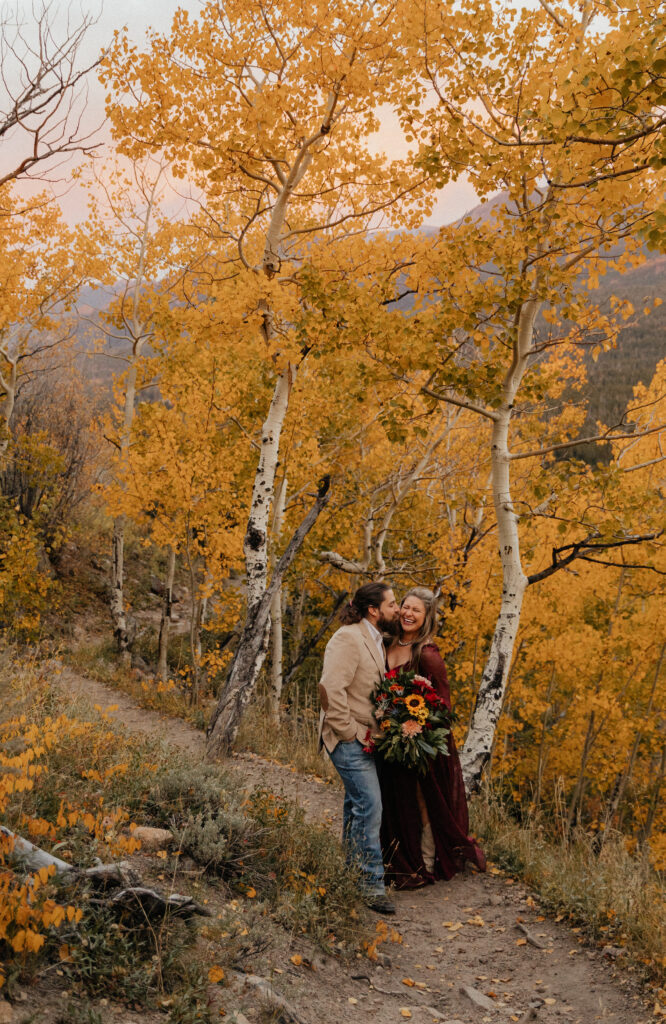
352	668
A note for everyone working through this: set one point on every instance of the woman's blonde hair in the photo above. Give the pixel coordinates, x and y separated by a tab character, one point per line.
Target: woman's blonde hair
430	602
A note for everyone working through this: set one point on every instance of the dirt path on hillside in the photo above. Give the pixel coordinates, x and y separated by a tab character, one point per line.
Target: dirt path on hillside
463	954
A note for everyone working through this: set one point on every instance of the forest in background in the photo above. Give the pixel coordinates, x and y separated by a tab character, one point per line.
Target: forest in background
216	423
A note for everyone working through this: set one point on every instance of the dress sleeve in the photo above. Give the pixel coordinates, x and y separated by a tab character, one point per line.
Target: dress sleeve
432	666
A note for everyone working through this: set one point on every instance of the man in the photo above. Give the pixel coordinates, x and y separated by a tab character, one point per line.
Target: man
354	663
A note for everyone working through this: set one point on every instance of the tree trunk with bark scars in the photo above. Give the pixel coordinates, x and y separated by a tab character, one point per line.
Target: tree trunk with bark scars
276	675
252	646
479	742
165	622
251	650
121	630
138	332
8	383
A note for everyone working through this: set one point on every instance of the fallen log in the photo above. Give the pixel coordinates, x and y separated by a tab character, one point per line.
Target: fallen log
31	855
154	904
120	873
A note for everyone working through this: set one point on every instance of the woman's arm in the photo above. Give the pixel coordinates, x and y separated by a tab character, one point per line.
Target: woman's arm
432	666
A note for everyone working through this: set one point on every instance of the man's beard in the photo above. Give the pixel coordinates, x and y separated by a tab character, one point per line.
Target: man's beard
390	626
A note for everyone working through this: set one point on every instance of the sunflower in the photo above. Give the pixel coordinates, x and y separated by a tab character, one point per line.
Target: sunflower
415	705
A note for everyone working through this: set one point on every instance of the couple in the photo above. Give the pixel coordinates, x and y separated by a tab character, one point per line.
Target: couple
399	826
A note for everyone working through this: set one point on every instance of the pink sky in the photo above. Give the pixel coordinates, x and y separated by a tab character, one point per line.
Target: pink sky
141	15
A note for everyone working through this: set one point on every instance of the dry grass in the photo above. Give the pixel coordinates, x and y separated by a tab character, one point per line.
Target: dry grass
286	875
613	895
616	897
99	661
293	742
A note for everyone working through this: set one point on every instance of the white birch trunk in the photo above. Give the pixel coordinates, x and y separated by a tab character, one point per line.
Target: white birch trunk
8	379
276	679
255	545
117	600
251	650
137	330
253	644
167	604
479	742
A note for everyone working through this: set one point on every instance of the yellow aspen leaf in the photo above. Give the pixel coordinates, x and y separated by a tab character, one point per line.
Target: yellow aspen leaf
405	1012
215	975
296	959
409	982
34	941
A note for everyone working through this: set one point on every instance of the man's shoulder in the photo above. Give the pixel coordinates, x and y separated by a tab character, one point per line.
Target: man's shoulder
350	634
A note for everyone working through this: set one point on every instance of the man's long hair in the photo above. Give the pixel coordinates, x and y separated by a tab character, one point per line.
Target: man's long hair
370	594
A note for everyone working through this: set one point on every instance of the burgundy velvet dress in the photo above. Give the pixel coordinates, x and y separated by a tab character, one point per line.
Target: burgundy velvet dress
444	794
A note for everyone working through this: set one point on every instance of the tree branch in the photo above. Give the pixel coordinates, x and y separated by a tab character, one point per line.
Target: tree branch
514	456
581	549
462	403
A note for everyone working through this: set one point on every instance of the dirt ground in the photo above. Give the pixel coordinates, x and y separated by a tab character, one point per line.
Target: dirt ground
475	950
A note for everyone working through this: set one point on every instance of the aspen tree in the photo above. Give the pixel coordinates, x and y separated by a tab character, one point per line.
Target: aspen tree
520	100
267	108
39	284
127	244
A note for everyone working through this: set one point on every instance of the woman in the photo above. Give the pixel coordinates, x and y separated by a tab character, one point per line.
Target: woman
425	822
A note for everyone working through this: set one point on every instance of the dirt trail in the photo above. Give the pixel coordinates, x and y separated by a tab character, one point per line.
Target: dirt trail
456	935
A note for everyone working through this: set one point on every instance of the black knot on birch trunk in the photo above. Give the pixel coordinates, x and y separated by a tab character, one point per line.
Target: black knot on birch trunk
255	538
495	683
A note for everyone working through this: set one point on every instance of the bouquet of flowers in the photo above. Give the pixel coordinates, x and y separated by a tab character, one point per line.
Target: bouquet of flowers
413	719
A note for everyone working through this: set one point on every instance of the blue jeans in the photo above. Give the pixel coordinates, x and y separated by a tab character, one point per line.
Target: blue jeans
361	813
